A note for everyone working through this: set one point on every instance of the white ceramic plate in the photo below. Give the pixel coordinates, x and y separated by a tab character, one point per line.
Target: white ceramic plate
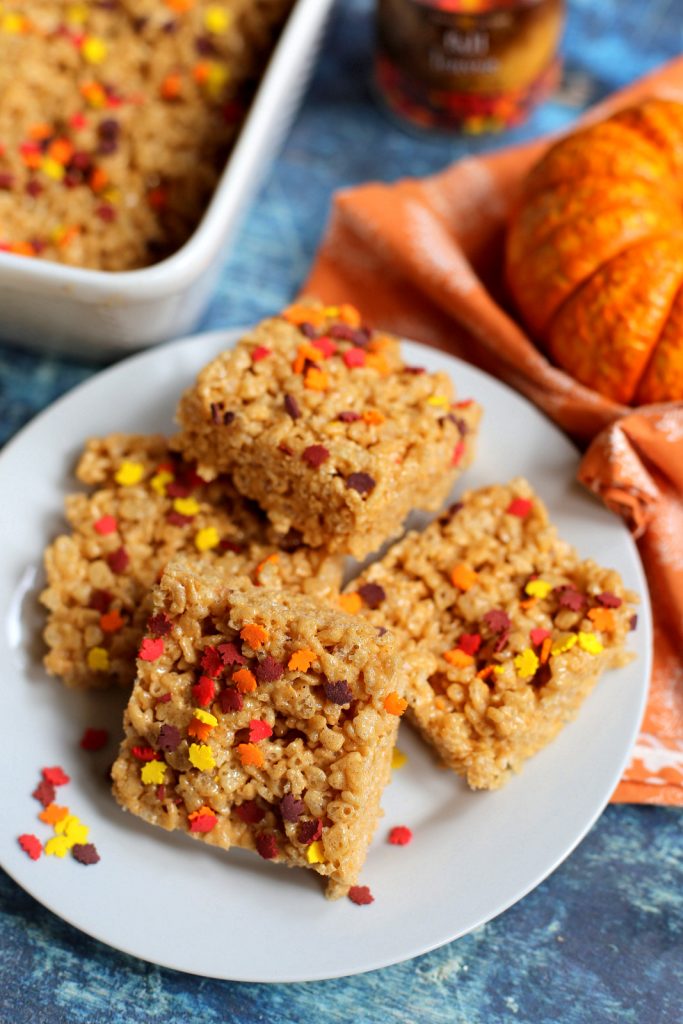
231	915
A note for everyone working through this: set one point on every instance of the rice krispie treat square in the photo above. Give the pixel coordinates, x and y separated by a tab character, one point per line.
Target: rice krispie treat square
320	420
261	720
149	507
504	629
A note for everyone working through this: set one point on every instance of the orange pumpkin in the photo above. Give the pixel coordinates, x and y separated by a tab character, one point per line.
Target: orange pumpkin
594	255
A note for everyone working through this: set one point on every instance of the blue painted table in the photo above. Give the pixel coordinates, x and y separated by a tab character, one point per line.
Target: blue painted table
602	939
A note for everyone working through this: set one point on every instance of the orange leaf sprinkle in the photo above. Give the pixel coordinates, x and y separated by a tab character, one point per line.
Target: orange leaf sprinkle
528	602
171	87
349	315
250	754
254	635
394	704
180	6
546	647
316	380
602	619
373	418
99	179
39	131
376	361
270	560
246	680
458	658
199	730
111	622
201	72
52	814
463	577
351	603
61	150
299	313
301	660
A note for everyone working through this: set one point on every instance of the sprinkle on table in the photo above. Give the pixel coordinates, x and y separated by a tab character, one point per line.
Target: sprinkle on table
85	853
56	776
94	739
31	845
400	835
360	895
44	793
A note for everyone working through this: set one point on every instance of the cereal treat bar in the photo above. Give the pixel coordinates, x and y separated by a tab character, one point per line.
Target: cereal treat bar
149	507
320	420
116	119
261	720
503	628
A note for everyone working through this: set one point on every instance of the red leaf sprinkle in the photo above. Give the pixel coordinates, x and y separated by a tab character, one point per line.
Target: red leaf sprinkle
400	835
538	635
230	699
497	620
94	739
292	407
100	601
211	662
249	812
338	693
372	594
269	670
291	808
118	560
57	776
361	482
31	845
349	417
309	831
169	738
266	845
609	600
469	643
143	753
360	895
160	624
520	507
230	655
151	648
85	853
259	730
105	525
204	691
44	793
315	455
259	353
354	357
203	823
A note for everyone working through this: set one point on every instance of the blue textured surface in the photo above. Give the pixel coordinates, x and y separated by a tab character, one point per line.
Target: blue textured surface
602	939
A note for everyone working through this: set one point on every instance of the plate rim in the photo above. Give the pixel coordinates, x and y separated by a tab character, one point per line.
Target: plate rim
227	336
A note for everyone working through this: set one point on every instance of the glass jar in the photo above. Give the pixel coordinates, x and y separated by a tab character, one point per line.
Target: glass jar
467	65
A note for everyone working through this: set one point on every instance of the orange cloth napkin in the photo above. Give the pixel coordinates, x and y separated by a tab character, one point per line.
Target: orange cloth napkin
423	258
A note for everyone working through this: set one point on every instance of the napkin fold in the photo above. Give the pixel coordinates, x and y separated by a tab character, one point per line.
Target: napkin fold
424	258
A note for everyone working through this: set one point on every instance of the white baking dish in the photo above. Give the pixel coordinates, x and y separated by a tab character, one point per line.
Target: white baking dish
99	313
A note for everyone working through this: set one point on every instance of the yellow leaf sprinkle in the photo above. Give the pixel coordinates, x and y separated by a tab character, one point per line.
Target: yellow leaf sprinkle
77	14
207	538
12	23
217	78
526	663
94	50
589	642
98	659
129	473
315	853
205	716
201	756
398	758
65	823
153	773
217	19
564	645
186	506
52	168
538	588
58	846
438	400
160	480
